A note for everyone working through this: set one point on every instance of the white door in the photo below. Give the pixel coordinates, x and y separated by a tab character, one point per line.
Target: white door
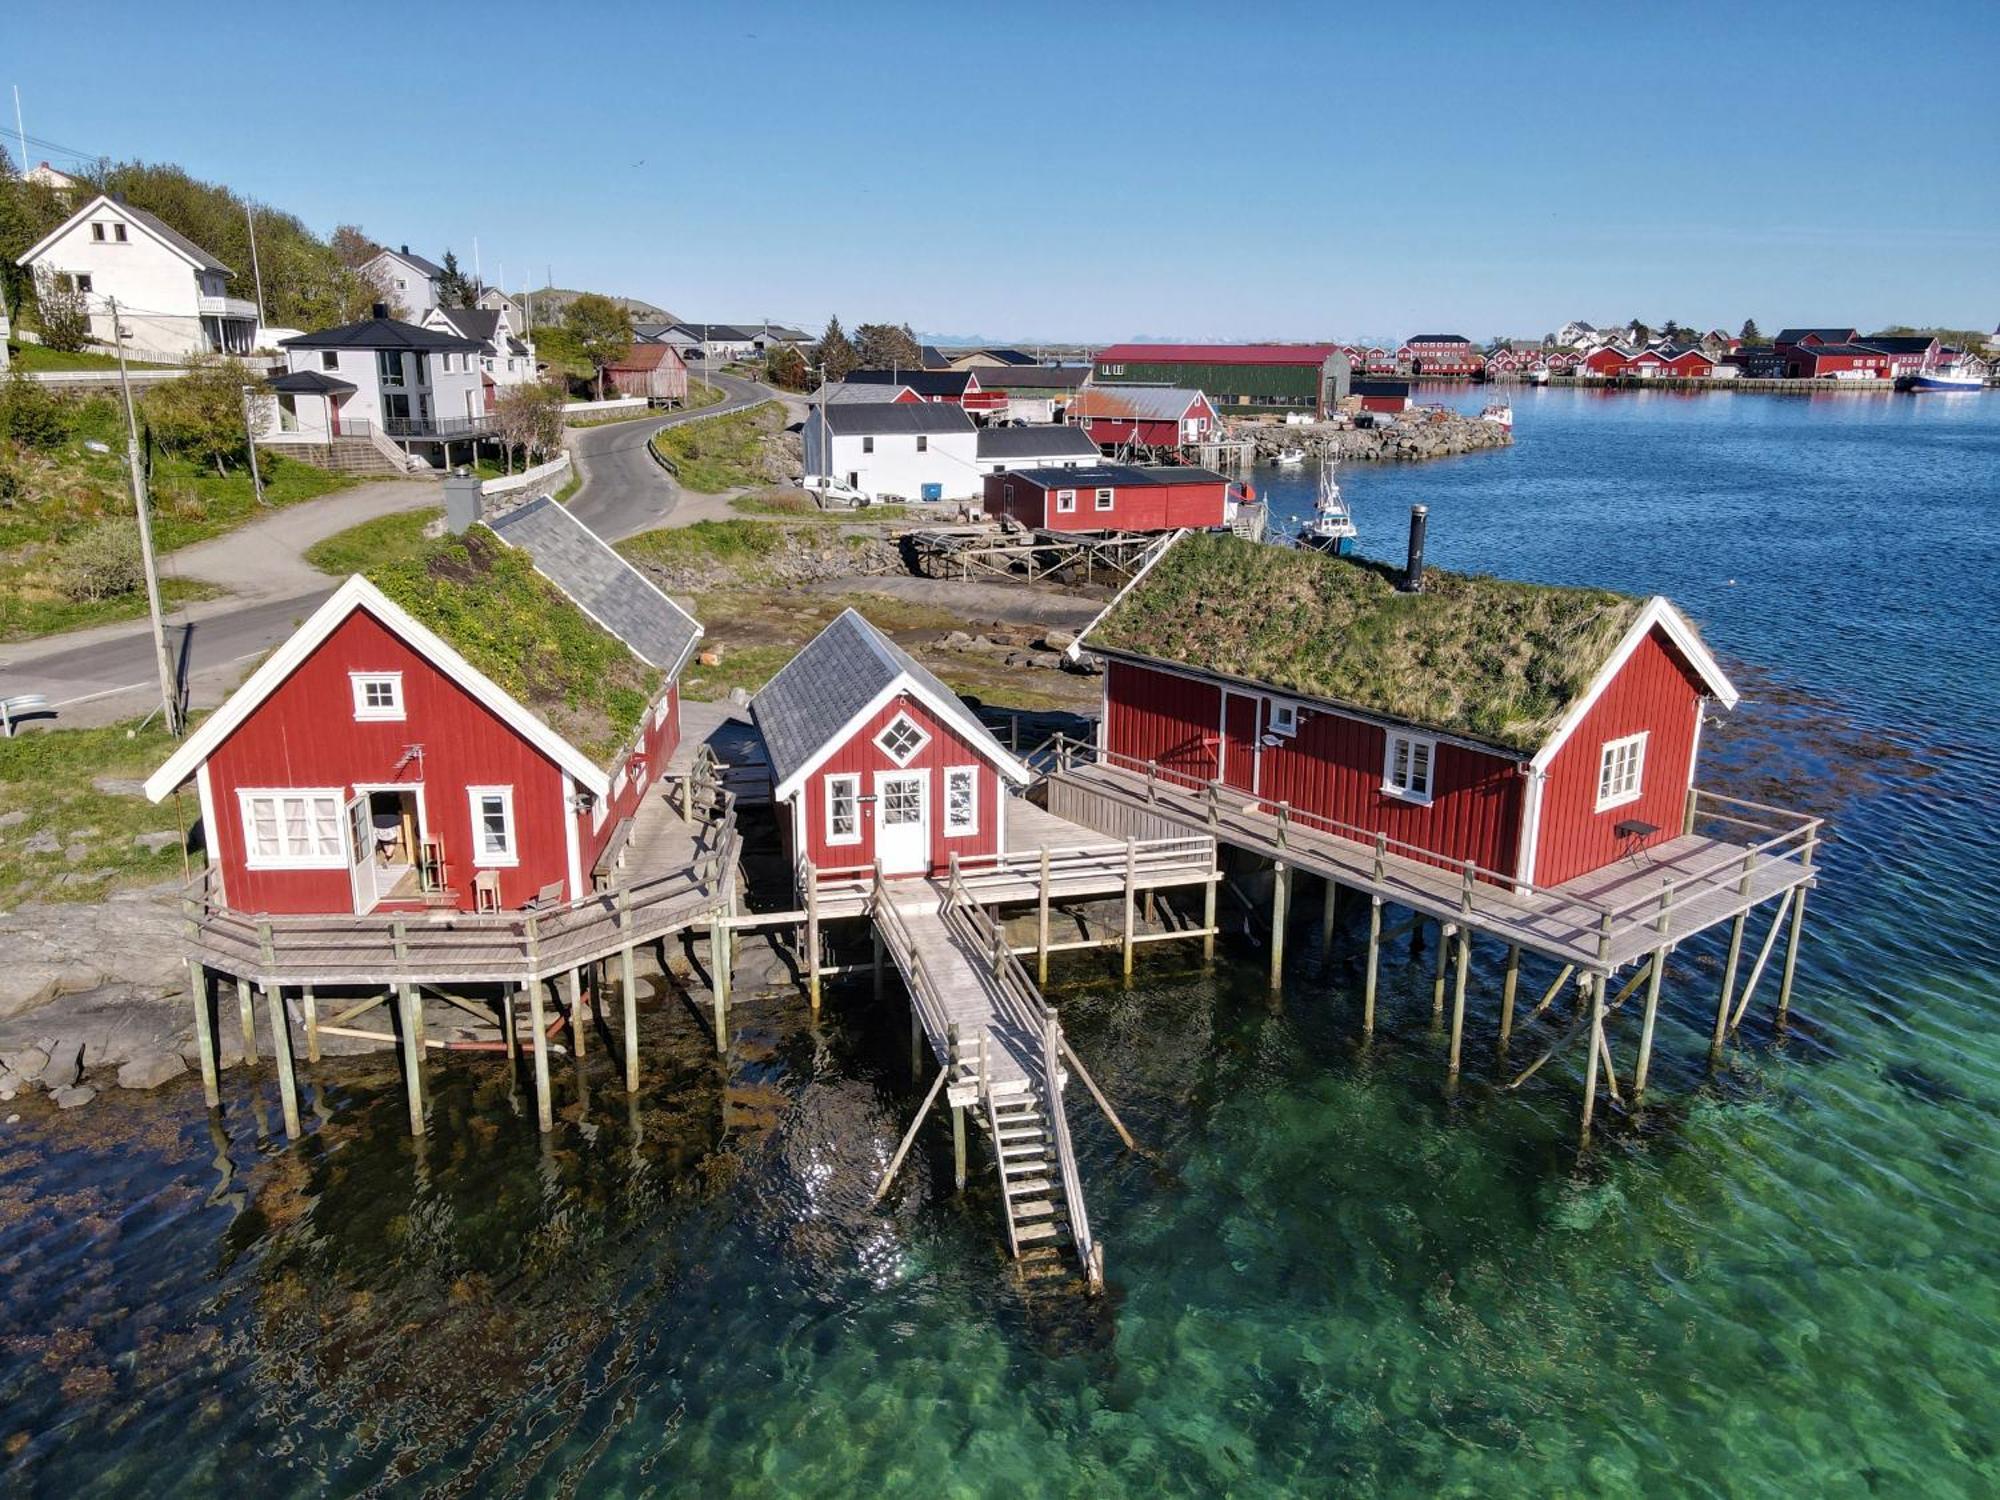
902	822
361	853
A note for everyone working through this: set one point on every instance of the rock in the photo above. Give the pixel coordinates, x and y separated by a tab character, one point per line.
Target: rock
13	819
42	843
74	1097
740	697
956	640
118	786
76	854
26	1063
1057	640
1047	661
153	843
65	1067
709	658
151	1070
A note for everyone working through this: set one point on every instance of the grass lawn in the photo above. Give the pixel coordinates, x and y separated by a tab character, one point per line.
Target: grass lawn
796	505
723	453
735	543
50	775
28	608
35	359
386	539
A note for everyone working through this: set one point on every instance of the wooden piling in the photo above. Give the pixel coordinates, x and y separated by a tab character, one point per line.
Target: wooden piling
309	1013
958	1146
1042	923
204	1034
413	1052
629	995
1508	985
579	1025
1131	877
1329	914
281	1050
508	1024
1458	996
916	1039
1374	965
1658	971
1208	895
1281	892
246	1014
538	1036
1792	955
812	938
1437	982
1594	998
1728	986
718	964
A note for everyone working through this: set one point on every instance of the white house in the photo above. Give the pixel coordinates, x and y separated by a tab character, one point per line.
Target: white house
895	451
51	177
408	281
702	343
173	296
495	300
419	387
505	358
1004	449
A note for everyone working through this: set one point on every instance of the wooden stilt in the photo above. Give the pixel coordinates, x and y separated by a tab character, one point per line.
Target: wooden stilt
1374	965
958	1145
246	1013
1458	996
204	1033
812	939
1329	914
1281	892
1657	972
1791	956
1508	986
508	1023
1728	986
538	1037
1208	891
718	963
413	1053
629	995
579	1025
281	1050
309	1013
1042	923
876	933
1594	998
916	1040
1131	876
1437	981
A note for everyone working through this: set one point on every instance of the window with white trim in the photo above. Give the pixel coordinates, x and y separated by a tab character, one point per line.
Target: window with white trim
1408	764
961	801
295	829
1106	498
902	739
843	809
377	695
1621	770
493	826
1065	501
923	443
1284	717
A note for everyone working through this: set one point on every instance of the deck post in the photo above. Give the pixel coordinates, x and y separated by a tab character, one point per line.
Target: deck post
1595	985
204	1033
1042	923
309	1013
1792	955
876	934
1646	1028
1329	914
281	1050
1507	987
507	1031
812	938
1728	986
1131	876
246	1015
958	1122
1458	996
413	1052
718	963
578	1024
916	1038
629	996
1437	982
1281	891
1374	965
538	1033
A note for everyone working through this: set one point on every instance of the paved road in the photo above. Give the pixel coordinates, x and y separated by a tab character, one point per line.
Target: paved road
624	489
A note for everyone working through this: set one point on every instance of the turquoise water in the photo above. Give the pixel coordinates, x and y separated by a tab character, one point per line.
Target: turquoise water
1327	1276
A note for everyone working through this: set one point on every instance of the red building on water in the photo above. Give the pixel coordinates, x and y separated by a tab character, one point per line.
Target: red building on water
1145	416
1110	497
1440	354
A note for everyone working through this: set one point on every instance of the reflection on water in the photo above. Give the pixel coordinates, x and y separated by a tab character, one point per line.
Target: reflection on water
1325	1275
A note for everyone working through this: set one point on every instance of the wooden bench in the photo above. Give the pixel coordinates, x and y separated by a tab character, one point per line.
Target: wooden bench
613	857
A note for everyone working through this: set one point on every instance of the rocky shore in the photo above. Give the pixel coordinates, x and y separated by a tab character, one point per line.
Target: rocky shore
1417	435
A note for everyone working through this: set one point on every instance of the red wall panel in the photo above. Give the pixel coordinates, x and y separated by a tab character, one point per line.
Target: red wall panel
1164	717
1150	507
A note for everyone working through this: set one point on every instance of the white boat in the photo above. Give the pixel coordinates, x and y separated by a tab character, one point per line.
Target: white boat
1539	377
1500	414
1331	529
1952	377
1289	458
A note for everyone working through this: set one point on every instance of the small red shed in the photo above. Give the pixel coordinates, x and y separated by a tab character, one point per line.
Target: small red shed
370	765
1540	753
1605	361
875	761
1384	395
1147	416
655	371
1110	497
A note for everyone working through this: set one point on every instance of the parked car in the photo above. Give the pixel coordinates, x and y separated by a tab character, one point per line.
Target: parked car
832	493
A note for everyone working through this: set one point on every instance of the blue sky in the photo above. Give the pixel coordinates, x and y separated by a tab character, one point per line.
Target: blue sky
1024	170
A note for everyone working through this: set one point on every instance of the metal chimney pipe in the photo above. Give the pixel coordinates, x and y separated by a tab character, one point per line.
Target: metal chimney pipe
1413	570
463	502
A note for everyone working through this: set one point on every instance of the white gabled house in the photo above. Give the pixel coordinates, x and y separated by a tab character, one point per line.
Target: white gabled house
408	281
173	296
505	357
894	450
420	388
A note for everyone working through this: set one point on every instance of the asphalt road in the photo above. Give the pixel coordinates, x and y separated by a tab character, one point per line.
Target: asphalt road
624	489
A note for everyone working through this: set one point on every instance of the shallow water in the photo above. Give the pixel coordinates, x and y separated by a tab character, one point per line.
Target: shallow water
1326	1276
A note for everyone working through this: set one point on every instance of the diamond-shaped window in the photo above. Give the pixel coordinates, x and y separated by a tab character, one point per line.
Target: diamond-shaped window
902	739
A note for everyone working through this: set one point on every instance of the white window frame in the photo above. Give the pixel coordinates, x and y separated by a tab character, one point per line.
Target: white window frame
852	782
366	712
1608	796
903	716
246	797
1284	717
953	828
1104	499
481	858
1403	788
1065	502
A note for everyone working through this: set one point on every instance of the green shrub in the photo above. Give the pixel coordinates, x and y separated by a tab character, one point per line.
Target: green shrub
101	562
31	414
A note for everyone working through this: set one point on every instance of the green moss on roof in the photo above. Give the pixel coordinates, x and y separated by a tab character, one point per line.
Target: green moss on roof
487	600
1483	657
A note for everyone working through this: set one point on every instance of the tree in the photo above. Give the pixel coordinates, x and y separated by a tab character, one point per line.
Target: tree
1640	333
61	311
353	248
885	346
455	288
28	211
834	352
601	329
1671	332
201	413
785	368
529	417
1750	335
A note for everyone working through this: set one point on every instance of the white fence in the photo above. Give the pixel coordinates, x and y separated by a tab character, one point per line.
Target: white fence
604	408
554	473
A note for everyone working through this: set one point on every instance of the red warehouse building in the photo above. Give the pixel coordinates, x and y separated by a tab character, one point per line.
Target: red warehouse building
949	387
1605	361
876	762
1837	362
1145	416
1435	354
1540	749
1384	395
386	759
1112	497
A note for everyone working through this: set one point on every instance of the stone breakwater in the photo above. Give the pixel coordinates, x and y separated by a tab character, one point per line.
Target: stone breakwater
1418	435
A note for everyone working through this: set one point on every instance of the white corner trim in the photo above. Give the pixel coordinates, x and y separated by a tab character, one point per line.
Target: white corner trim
359	593
211	831
572	841
1075	651
1531	828
1659	611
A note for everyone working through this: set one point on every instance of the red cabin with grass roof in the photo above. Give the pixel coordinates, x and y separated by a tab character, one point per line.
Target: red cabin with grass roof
1292	677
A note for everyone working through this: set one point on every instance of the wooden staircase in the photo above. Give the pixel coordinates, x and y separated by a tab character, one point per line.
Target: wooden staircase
1024	1156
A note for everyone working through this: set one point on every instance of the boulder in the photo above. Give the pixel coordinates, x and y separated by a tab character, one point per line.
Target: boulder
42	843
13	818
151	1070
1057	640
956	640
153	843
77	852
74	1097
26	1063
118	786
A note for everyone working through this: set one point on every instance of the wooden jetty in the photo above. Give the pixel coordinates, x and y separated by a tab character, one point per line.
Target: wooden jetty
995	551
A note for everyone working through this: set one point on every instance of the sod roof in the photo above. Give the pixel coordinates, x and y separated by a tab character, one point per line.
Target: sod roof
486	599
1485	658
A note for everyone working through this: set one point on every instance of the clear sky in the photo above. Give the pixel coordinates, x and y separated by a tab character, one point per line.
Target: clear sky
1023	170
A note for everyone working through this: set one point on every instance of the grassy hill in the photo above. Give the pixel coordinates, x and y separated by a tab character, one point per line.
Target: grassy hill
551	300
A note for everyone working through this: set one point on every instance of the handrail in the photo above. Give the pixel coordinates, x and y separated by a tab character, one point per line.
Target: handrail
1072	1179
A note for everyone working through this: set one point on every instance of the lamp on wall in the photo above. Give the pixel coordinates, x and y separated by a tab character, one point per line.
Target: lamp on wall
582	801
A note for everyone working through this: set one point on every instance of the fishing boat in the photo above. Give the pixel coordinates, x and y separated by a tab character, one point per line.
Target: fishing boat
1331	529
1952	377
1500	414
1539	377
1289	458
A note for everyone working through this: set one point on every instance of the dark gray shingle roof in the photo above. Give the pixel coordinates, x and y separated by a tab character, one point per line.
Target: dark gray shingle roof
1034	378
312	382
473	322
1118	476
1036	442
838	674
605	586
381	333
952	383
891	418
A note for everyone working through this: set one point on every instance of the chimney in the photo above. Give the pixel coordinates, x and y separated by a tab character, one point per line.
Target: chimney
462	502
1413	570
406	249
381	310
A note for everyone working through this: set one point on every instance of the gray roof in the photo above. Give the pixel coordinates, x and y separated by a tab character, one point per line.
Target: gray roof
840	393
1036	442
1118	476
156	225
381	333
473	322
843	669
953	383
603	585
1034	377
1152	403
890	418
652	333
428	267
312	382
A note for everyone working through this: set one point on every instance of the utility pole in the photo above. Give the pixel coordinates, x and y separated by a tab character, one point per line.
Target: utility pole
250	215
250	442
20	130
168	704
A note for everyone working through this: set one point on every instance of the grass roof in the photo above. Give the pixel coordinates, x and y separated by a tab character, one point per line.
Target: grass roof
1483	657
488	601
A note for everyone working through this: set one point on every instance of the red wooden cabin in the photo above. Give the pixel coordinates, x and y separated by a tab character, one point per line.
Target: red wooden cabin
875	760
1672	363
1384	395
949	387
367	741
1605	361
1149	416
1605	774
1110	497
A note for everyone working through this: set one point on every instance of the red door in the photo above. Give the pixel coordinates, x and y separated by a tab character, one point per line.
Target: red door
1239	741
